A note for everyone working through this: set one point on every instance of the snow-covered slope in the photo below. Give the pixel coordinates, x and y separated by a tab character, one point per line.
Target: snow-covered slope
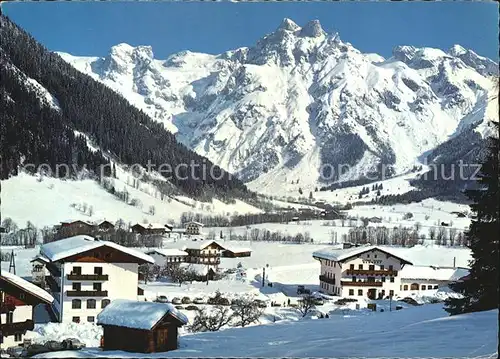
301	101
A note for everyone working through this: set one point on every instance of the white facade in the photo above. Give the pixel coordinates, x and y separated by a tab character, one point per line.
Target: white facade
362	272
20	314
164	257
193	228
122	283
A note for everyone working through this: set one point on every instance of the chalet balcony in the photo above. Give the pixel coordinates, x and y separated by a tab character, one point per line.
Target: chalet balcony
90	277
362	284
87	293
206	255
380	272
19	327
325	279
203	260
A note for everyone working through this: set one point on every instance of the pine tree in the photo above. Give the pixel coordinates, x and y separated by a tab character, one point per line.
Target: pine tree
480	289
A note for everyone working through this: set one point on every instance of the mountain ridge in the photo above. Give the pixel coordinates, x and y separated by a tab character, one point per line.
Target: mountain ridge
301	100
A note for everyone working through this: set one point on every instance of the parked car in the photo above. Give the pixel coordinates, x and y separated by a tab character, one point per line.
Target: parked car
192	307
176	300
179	307
17	352
318	301
35	349
199	300
162	299
260	303
53	345
186	300
73	344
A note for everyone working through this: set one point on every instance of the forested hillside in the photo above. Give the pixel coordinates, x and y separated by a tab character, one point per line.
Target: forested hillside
46	104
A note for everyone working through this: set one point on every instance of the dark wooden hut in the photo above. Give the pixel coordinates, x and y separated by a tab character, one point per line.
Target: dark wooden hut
140	327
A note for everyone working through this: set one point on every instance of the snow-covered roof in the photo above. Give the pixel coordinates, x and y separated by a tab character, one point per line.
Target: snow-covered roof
76	220
67	247
167	252
196	223
433	273
137	315
153	226
340	255
202	244
237	249
179	230
40	258
26	286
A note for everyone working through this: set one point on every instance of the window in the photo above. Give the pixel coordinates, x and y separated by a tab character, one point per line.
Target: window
435	287
405	287
76	270
22	296
351	291
353	279
367	256
381	267
392	279
371	267
18	337
104	303
375	256
10	317
390	267
97	286
98	270
360	266
351	266
91	304
77	286
76	319
76	304
360	291
383	279
391	293
423	287
90	319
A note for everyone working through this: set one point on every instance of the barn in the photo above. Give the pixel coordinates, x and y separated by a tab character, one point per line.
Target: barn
140	327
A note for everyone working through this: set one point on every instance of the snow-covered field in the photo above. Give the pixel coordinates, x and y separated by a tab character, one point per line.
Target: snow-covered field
425	331
50	201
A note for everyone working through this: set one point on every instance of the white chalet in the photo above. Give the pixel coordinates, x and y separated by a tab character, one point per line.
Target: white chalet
193	228
18	300
366	271
166	256
205	252
425	278
86	274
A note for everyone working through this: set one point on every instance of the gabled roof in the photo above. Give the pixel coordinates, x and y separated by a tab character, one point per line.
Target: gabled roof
237	249
71	246
193	222
27	286
167	252
340	255
202	245
69	221
153	226
137	315
40	258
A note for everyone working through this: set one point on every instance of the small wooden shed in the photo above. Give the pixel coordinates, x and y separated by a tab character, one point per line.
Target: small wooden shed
140	327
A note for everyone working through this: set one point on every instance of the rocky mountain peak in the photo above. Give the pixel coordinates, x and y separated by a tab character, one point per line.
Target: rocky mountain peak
312	29
288	25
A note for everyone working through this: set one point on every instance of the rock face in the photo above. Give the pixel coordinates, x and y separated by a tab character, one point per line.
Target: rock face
301	102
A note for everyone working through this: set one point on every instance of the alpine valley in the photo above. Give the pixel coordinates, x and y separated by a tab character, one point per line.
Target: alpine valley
301	104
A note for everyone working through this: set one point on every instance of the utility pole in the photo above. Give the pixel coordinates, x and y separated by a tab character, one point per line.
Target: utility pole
263	276
12	264
390	303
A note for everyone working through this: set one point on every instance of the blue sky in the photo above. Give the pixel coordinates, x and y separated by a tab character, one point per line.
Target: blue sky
91	28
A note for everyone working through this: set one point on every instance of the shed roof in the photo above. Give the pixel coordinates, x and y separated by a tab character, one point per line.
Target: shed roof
26	286
137	315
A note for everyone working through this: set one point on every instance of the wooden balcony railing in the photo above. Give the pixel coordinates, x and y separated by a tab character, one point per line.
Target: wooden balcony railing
19	327
380	272
325	279
361	284
83	277
87	293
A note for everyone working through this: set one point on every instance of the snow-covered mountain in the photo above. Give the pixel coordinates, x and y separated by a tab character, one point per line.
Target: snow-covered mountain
301	102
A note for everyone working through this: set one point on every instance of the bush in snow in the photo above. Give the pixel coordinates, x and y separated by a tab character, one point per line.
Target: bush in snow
211	320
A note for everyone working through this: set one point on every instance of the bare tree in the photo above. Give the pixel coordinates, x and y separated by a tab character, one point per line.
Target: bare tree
254	234
452	235
246	311
432	233
152	210
306	304
9	225
211	320
441	236
91	211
